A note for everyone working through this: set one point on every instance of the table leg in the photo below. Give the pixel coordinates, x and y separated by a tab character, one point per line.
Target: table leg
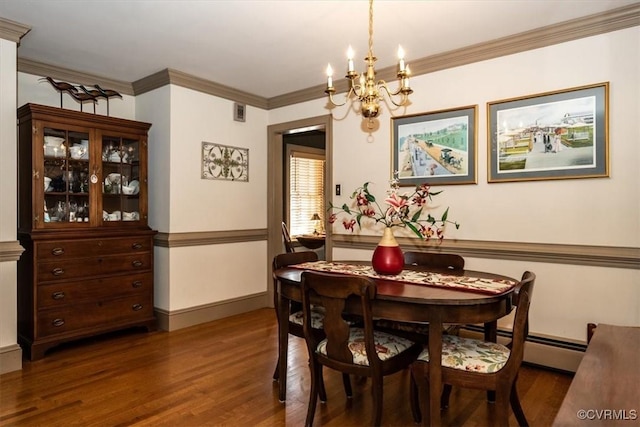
435	369
491	334
283	344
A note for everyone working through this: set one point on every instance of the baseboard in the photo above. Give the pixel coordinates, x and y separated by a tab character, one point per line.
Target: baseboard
178	319
10	358
545	351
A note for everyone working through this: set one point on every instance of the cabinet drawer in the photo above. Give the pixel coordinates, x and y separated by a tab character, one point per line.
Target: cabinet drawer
65	293
96	266
63	249
96	314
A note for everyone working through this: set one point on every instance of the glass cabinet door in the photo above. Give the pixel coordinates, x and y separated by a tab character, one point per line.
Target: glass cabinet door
66	188
121	173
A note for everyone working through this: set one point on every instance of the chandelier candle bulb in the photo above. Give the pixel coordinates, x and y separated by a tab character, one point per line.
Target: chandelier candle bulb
329	78
350	66
400	58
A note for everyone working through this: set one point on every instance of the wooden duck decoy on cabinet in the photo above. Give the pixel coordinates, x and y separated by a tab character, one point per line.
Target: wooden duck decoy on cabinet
84	97
61	87
108	93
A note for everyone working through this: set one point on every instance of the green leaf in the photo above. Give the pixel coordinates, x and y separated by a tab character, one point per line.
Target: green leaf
416	216
414	229
445	215
370	198
346	208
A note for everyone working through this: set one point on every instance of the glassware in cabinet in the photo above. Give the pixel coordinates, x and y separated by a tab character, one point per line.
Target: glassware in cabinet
122	176
65	177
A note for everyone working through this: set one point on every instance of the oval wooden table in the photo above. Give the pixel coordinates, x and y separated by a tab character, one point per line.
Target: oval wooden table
418	303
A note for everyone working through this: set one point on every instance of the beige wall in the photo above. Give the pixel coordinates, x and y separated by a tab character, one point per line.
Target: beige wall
10	353
601	212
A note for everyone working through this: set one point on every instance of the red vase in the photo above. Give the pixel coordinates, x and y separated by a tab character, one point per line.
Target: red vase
387	257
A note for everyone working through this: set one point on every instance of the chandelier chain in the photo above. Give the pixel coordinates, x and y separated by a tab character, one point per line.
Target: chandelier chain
371	28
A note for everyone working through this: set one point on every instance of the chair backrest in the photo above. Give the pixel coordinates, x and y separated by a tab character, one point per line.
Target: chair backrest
290	258
284	260
522	300
331	291
436	260
287	238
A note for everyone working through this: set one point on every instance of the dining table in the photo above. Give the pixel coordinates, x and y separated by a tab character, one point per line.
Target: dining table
418	294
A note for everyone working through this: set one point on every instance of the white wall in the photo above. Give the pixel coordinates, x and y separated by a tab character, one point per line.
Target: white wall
8	207
604	211
217	205
180	201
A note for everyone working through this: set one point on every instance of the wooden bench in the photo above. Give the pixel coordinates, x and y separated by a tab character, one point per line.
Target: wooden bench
606	388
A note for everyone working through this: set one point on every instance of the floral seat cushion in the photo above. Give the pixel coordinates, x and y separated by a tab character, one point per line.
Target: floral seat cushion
387	346
317	317
468	354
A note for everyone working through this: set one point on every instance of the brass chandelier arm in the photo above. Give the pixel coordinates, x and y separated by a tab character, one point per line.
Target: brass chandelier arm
331	91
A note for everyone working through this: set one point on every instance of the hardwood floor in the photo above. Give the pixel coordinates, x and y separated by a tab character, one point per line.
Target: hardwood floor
219	374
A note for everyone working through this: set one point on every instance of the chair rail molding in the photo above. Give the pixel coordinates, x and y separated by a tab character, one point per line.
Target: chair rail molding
204	238
600	256
10	251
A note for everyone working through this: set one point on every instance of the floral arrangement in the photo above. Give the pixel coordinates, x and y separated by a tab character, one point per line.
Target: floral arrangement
401	210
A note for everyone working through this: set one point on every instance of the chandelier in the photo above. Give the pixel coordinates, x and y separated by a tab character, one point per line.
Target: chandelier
364	86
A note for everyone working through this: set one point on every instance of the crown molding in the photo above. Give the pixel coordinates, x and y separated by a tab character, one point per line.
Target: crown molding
12	31
592	25
60	73
178	78
600	256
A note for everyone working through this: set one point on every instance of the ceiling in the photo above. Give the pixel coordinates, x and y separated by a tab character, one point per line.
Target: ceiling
265	47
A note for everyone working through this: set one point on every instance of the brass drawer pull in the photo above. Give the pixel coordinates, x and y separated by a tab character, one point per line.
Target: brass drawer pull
136	246
137	263
57	271
58	295
57	251
58	322
136	307
137	284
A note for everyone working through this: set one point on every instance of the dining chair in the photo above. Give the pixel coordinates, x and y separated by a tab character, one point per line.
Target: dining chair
416	331
358	351
480	364
288	246
293	312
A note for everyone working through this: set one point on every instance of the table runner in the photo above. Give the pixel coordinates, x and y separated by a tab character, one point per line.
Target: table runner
425	278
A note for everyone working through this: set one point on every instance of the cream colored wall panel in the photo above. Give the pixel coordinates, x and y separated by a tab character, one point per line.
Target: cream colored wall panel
601	211
203	204
154	107
203	275
8	136
32	90
8	207
161	278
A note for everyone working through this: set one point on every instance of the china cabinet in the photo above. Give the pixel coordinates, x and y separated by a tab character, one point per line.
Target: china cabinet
82	219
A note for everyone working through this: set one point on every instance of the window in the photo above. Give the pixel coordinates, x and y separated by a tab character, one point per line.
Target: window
306	190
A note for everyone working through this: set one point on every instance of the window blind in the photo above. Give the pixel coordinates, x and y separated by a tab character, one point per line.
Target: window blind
306	192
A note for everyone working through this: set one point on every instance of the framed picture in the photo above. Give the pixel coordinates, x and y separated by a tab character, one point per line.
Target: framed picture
225	162
553	135
436	148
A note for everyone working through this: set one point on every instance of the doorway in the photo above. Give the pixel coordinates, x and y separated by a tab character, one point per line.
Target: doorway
275	183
